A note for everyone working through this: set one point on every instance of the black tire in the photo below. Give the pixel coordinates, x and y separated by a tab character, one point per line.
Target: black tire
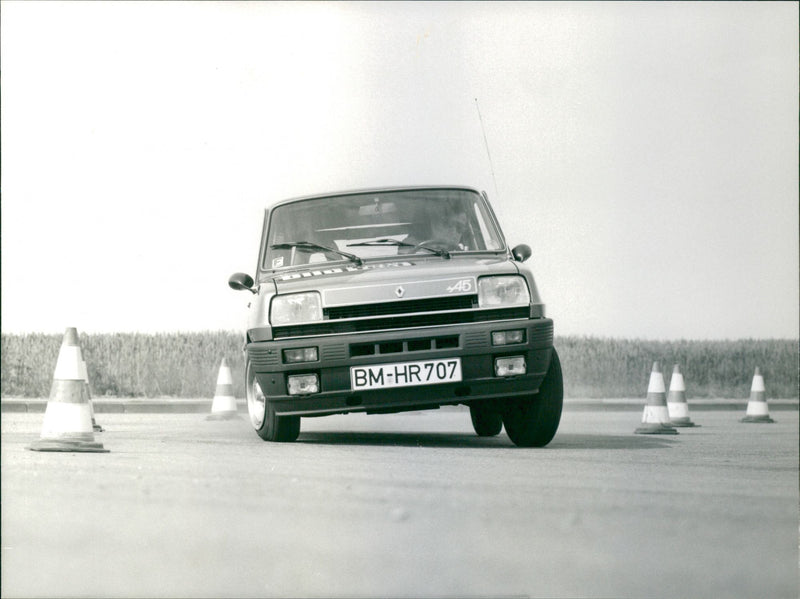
267	424
533	421
486	422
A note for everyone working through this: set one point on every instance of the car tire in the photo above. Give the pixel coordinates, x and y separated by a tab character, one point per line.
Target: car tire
533	421
486	422
267	424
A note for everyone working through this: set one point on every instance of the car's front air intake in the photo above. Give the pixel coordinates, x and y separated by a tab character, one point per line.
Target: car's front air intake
435	304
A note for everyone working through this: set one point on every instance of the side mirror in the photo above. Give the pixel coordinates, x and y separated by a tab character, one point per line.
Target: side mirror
241	281
521	252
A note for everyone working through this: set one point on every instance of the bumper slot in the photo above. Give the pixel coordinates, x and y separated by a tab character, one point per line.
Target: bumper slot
358	350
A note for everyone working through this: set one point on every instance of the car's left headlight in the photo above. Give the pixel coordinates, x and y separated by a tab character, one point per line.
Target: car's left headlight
501	291
295	308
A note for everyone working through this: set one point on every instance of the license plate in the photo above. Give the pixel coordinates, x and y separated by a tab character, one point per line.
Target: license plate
406	374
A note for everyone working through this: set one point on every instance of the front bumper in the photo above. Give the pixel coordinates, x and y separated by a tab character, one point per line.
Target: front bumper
472	343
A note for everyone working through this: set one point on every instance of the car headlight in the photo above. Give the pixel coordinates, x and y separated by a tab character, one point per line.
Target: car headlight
295	308
503	291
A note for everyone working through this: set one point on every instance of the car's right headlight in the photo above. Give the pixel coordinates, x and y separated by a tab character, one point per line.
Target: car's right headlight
502	291
295	308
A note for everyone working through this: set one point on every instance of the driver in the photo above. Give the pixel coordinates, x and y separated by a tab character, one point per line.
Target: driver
439	224
450	229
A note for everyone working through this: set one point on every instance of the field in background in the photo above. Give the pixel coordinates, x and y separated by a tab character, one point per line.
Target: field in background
186	365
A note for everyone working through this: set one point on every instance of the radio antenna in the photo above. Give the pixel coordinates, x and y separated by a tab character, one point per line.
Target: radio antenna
486	145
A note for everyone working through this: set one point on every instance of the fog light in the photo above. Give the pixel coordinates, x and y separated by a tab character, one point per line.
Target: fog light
509	366
302	354
303	384
507	337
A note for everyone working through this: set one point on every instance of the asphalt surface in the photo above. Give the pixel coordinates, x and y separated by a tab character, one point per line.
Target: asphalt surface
403	505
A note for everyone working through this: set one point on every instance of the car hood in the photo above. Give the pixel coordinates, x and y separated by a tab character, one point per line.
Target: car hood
392	280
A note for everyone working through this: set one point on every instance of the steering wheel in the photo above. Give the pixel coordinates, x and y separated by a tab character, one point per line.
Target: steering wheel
441	242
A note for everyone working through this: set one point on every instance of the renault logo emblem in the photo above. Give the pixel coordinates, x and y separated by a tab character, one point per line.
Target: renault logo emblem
400	292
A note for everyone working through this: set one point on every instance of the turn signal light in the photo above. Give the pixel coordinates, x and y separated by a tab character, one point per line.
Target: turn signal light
302	354
508	337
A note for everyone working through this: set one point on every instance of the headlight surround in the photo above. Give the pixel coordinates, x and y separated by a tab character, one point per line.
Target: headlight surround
502	291
295	308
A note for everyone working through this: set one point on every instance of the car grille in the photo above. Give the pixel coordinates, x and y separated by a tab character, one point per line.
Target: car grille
436	304
384	323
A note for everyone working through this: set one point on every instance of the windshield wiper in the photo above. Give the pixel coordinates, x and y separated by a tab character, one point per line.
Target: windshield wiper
310	245
402	244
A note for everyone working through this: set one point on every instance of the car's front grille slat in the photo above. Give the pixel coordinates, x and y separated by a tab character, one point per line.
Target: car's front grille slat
436	304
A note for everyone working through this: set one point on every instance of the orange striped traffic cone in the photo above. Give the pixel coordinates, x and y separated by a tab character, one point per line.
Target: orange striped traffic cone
655	419
224	405
676	400
757	410
68	420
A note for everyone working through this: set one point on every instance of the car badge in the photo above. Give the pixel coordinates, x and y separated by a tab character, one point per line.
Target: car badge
400	292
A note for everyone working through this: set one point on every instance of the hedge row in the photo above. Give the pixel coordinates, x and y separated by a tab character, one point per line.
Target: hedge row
186	365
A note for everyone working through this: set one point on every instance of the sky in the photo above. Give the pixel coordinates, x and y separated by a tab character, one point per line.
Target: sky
647	152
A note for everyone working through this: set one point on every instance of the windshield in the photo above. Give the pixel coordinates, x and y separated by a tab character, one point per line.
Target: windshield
431	222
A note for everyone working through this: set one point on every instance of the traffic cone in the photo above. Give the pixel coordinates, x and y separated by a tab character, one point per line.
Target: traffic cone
224	405
655	419
68	420
676	400
85	372
757	410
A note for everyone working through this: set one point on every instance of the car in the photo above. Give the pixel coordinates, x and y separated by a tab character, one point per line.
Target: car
394	299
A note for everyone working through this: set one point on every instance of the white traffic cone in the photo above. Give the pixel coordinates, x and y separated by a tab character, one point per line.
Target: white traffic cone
676	400
655	419
757	409
68	420
224	404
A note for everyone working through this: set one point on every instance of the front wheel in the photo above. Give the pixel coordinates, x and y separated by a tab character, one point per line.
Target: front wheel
533	421
265	421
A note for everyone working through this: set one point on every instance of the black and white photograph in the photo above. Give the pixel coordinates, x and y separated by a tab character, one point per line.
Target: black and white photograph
399	299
